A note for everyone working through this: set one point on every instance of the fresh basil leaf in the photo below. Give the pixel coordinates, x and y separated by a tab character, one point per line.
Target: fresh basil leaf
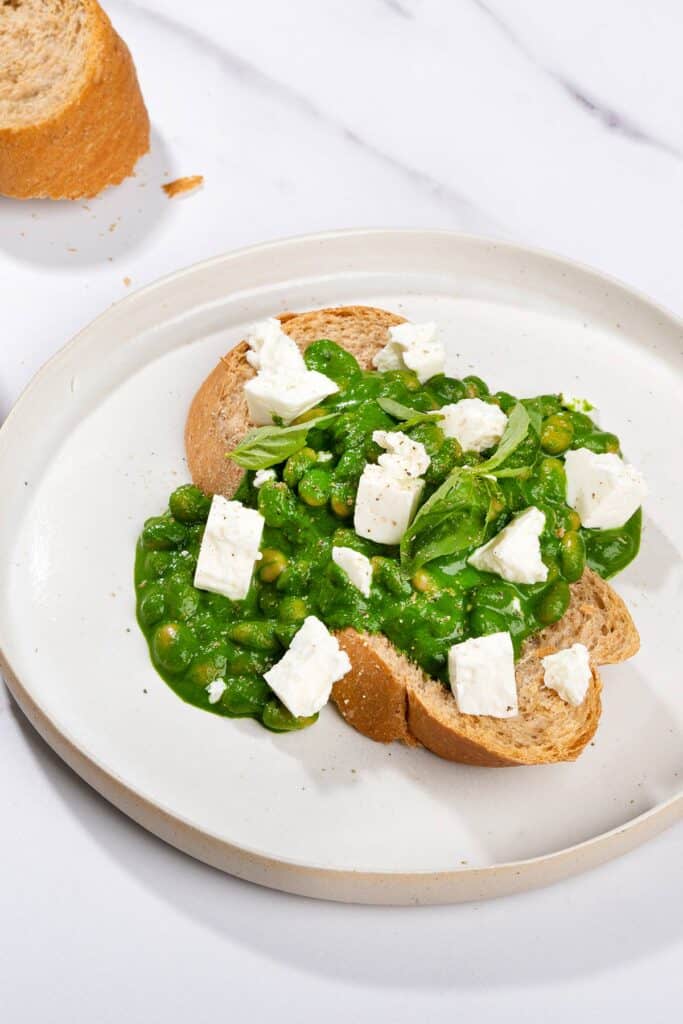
404	412
456	518
266	446
516	430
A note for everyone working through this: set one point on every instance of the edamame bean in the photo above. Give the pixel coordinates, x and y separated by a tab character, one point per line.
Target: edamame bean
255	635
292	609
553	602
572	556
315	486
157	564
204	670
183	600
271	565
342	494
151	606
553	567
277	718
557	433
162	533
475	387
277	504
297	464
189	505
173	647
423	581
245	695
485	620
250	663
444	460
389	575
269	601
600	442
446	390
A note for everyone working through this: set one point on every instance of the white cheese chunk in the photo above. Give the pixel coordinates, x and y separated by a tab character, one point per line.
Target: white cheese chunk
285	395
568	673
262	476
304	676
215	690
273	351
356	566
515	552
476	425
576	404
229	549
385	504
482	676
404	457
603	489
325	456
415	347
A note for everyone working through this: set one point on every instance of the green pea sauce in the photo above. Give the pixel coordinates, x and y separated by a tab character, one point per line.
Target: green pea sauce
196	638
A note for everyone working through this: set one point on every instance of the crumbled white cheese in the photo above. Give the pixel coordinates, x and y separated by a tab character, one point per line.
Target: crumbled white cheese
385	504
413	347
215	690
404	457
262	476
515	552
476	425
568	672
325	456
575	404
482	676
304	676
229	548
273	351
356	566
603	489
286	395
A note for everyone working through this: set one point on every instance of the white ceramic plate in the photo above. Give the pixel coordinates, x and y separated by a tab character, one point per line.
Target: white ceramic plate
95	446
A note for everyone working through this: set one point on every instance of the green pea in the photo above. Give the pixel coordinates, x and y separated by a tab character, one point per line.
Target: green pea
553	567
269	601
151	606
189	504
423	581
277	504
600	442
162	533
157	564
315	486
342	497
277	718
255	635
297	464
572	556
475	387
296	577
557	433
293	609
445	390
245	695
204	670
183	600
249	663
173	647
505	401
271	565
553	603
551	480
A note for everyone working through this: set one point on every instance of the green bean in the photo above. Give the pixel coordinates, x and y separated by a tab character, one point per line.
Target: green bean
189	505
553	603
557	433
572	556
173	647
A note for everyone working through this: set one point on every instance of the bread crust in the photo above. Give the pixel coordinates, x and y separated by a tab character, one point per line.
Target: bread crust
385	696
94	140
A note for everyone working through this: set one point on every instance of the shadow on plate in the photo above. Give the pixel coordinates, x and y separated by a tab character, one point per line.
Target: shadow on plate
87	232
409	947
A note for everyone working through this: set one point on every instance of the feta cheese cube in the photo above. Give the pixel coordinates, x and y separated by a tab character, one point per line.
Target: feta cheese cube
262	476
515	552
404	457
568	673
385	504
576	404
304	676
285	395
603	489
273	351
415	347
356	566
476	425
215	690
229	549
482	676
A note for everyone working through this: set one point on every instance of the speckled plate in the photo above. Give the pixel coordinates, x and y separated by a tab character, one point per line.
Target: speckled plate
95	445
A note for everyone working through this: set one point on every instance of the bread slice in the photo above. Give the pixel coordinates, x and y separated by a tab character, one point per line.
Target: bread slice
385	696
72	117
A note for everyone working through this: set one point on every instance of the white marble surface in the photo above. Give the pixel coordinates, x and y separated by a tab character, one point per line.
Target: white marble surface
557	125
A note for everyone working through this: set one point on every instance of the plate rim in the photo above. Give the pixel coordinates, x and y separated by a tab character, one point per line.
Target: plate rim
375	887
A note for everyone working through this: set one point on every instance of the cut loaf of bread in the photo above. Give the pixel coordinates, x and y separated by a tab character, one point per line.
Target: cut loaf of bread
385	696
72	117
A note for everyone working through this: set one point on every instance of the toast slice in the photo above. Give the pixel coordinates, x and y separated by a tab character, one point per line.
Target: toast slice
385	696
72	117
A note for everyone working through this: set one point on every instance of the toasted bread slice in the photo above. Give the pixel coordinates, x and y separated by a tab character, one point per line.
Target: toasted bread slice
72	118
385	696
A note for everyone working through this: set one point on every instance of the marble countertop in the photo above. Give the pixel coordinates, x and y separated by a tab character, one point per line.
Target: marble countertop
555	125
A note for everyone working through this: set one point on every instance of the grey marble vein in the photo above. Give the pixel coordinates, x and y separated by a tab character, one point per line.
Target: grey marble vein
608	116
471	216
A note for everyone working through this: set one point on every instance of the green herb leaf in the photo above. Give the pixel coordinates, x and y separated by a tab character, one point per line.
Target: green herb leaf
456	518
516	430
404	412
266	446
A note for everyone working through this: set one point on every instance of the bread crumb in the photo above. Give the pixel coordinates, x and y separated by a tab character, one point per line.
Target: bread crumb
180	185
112	227
127	281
